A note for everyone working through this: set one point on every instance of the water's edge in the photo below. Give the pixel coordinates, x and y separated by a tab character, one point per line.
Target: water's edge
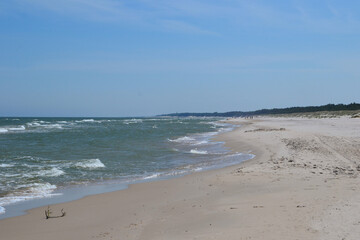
76	192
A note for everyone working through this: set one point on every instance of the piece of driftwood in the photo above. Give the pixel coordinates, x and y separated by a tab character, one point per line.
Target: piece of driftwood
48	213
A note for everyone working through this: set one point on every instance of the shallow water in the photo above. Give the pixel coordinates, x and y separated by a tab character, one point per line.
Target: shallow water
41	156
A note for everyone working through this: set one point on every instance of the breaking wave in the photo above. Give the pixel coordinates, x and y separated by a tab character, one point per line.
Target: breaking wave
196	151
90	164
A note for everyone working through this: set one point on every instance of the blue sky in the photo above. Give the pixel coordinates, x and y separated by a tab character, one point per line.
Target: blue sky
143	57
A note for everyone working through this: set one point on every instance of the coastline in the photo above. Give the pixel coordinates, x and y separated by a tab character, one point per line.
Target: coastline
273	196
72	192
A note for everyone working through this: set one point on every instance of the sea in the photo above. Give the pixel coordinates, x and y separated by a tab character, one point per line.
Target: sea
42	158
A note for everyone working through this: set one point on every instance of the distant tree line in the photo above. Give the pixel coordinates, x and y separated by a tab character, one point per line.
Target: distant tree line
328	107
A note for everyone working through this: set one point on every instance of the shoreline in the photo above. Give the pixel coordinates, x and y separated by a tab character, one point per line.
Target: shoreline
276	195
76	192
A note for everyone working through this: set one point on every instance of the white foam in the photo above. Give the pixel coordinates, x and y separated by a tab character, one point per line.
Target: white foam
63	122
85	120
201	142
219	124
30	191
152	176
32	124
182	139
21	128
6	165
53	126
196	151
90	164
3	130
134	120
46	125
54	172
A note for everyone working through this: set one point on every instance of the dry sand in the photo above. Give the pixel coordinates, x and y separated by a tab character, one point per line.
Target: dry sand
302	184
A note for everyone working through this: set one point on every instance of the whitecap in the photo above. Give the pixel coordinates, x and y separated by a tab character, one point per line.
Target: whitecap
134	120
33	124
90	164
196	151
3	130
53	172
182	139
53	126
21	128
85	120
6	165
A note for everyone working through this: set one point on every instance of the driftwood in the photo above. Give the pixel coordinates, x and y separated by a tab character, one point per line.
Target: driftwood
48	213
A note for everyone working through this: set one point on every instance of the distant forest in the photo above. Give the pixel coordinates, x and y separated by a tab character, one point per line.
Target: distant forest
328	107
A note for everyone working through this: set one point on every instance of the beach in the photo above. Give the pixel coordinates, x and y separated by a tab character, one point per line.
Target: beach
302	184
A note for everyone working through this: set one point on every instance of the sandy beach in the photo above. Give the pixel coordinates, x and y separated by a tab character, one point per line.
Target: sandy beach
302	184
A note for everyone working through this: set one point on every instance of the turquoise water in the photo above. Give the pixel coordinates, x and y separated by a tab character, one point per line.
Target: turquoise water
41	155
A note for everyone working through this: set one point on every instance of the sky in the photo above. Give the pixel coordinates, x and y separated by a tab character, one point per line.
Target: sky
117	58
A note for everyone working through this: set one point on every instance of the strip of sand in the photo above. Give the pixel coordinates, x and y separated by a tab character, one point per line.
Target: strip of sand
302	184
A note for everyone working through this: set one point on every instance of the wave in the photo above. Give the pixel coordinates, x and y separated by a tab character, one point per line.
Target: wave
132	121
155	175
85	120
53	172
196	151
3	130
20	128
53	126
63	122
201	142
27	192
43	125
12	129
182	140
33	124
157	119
3	165
90	164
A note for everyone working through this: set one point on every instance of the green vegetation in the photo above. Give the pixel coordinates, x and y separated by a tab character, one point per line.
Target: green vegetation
351	108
